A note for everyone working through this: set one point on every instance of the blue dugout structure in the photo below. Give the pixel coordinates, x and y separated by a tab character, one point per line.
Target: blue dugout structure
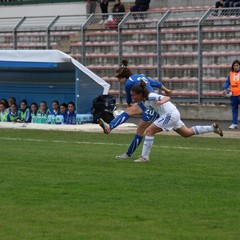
37	75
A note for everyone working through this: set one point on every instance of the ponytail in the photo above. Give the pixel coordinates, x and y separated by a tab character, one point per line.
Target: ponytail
123	71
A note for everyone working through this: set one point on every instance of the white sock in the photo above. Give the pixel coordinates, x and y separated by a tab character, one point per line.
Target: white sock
147	145
202	129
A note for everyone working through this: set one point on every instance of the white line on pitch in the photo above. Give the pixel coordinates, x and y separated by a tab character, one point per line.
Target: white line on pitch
115	144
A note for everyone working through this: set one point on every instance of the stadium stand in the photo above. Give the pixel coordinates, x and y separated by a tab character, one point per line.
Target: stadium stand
164	43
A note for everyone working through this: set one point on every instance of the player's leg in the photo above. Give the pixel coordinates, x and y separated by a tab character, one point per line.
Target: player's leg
165	122
121	118
196	130
148	142
136	140
148	117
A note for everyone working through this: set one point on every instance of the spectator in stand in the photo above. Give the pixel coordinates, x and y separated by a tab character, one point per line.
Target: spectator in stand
71	114
43	112
237	4
14	113
115	19
104	8
34	110
12	100
63	111
218	4
25	115
4	100
3	112
230	3
55	108
91	6
140	6
233	84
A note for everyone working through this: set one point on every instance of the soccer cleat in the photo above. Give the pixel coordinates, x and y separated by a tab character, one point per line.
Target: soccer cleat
104	126
141	159
123	156
233	126
217	130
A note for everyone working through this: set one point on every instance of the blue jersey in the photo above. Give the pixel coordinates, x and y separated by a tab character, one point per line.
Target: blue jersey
134	80
71	118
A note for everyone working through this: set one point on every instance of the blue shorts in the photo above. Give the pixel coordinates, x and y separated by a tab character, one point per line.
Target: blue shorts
148	115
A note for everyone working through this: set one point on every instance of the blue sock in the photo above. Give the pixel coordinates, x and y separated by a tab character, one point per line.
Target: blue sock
120	119
134	144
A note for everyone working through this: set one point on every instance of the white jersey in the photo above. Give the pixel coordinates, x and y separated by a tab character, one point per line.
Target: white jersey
167	107
169	115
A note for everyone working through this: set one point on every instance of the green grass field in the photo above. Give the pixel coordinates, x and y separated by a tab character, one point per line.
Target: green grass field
68	185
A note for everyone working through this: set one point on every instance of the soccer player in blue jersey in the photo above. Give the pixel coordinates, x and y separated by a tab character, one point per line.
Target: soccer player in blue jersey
129	79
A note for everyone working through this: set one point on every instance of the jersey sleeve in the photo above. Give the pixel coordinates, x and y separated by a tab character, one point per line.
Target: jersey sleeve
154	83
155	97
128	94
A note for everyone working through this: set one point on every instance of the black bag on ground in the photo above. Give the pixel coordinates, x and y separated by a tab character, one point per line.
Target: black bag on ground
103	107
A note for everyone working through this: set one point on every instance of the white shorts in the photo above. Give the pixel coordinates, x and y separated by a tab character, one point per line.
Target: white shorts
169	121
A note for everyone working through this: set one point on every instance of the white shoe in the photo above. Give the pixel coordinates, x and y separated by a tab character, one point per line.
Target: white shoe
217	130
233	126
101	22
123	156
141	159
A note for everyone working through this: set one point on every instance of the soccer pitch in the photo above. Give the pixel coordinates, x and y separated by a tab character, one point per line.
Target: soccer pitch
68	185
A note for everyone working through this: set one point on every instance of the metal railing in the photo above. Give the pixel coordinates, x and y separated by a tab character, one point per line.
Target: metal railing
190	51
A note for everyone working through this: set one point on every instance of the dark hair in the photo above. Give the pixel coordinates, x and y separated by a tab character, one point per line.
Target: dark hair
24	101
33	103
64	105
55	101
72	103
141	89
44	102
124	63
13	99
123	71
5	102
234	62
14	104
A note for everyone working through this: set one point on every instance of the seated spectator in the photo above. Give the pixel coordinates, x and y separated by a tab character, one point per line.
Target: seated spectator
43	109
12	100
14	113
55	108
63	111
140	6
218	4
3	112
33	110
25	115
4	100
71	114
230	3
115	19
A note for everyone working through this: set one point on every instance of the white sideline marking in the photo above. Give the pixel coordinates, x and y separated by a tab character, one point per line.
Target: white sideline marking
116	144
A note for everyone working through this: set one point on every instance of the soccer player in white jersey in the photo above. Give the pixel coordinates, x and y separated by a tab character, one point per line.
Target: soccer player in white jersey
169	118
